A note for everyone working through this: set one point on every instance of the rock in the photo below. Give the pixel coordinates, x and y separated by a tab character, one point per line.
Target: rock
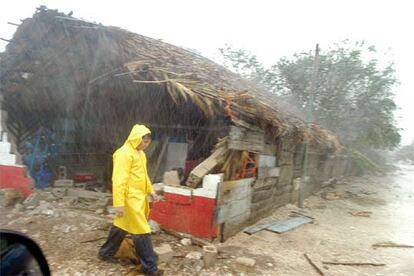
66	228
186	241
155	228
99	211
193	264
59	192
63	183
249	262
11	196
44	208
194	255
70	200
209	255
19	207
47	212
164	252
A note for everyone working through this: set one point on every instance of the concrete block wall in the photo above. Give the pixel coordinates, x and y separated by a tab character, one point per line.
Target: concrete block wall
12	174
7	156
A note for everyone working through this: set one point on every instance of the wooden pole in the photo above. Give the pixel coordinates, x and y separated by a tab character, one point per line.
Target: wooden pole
309	119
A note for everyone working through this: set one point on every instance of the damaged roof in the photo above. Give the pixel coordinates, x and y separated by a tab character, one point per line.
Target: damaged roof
51	49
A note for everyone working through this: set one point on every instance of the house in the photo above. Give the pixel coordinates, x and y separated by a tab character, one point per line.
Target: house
73	89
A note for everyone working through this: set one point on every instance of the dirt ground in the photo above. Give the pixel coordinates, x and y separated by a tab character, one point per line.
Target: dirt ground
71	238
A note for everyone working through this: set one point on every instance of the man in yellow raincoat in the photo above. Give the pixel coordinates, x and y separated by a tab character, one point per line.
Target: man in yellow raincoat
131	187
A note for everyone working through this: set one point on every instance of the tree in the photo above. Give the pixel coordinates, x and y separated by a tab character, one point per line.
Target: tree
353	96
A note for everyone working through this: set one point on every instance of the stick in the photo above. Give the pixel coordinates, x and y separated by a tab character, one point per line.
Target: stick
160	81
392	245
303	215
196	241
160	157
94	240
314	265
350	263
5	39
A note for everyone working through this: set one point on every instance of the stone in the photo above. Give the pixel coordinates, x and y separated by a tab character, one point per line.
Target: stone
99	211
194	255
193	264
209	255
66	228
63	183
164	252
19	207
155	228
186	242
59	192
249	262
47	212
11	196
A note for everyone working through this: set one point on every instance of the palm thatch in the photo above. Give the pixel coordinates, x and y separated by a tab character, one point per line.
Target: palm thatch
108	78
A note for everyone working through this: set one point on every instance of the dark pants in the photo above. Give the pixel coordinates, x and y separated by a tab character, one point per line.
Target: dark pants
143	248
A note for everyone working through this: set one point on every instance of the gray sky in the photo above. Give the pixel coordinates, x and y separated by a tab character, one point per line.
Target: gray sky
270	29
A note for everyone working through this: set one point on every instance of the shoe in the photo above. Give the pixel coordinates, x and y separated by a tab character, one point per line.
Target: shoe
108	259
159	272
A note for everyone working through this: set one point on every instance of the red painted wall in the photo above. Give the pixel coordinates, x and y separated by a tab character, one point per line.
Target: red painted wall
14	177
186	214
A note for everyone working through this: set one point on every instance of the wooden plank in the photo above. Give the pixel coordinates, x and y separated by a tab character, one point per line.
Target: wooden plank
268	172
243	145
233	209
285	175
262	195
234	190
204	168
244	139
265	183
269	149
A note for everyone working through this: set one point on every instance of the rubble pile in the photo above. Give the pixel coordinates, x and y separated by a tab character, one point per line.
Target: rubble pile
71	224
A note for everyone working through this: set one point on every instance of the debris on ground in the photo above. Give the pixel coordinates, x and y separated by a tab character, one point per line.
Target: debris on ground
279	226
209	255
11	196
337	195
313	264
186	241
164	253
353	263
391	244
361	214
249	262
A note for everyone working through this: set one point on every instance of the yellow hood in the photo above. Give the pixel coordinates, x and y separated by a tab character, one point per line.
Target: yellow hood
137	132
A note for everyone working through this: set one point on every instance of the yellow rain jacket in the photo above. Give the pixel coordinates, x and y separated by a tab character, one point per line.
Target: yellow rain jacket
131	184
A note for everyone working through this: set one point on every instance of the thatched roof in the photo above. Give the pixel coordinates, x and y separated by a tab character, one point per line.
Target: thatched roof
57	63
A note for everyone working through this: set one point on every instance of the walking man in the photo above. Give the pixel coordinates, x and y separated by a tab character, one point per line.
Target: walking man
131	186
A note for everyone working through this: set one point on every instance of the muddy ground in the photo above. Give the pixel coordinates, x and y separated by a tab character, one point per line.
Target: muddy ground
71	237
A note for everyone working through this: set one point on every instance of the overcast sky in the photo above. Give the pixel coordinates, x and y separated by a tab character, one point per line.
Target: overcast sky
270	29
